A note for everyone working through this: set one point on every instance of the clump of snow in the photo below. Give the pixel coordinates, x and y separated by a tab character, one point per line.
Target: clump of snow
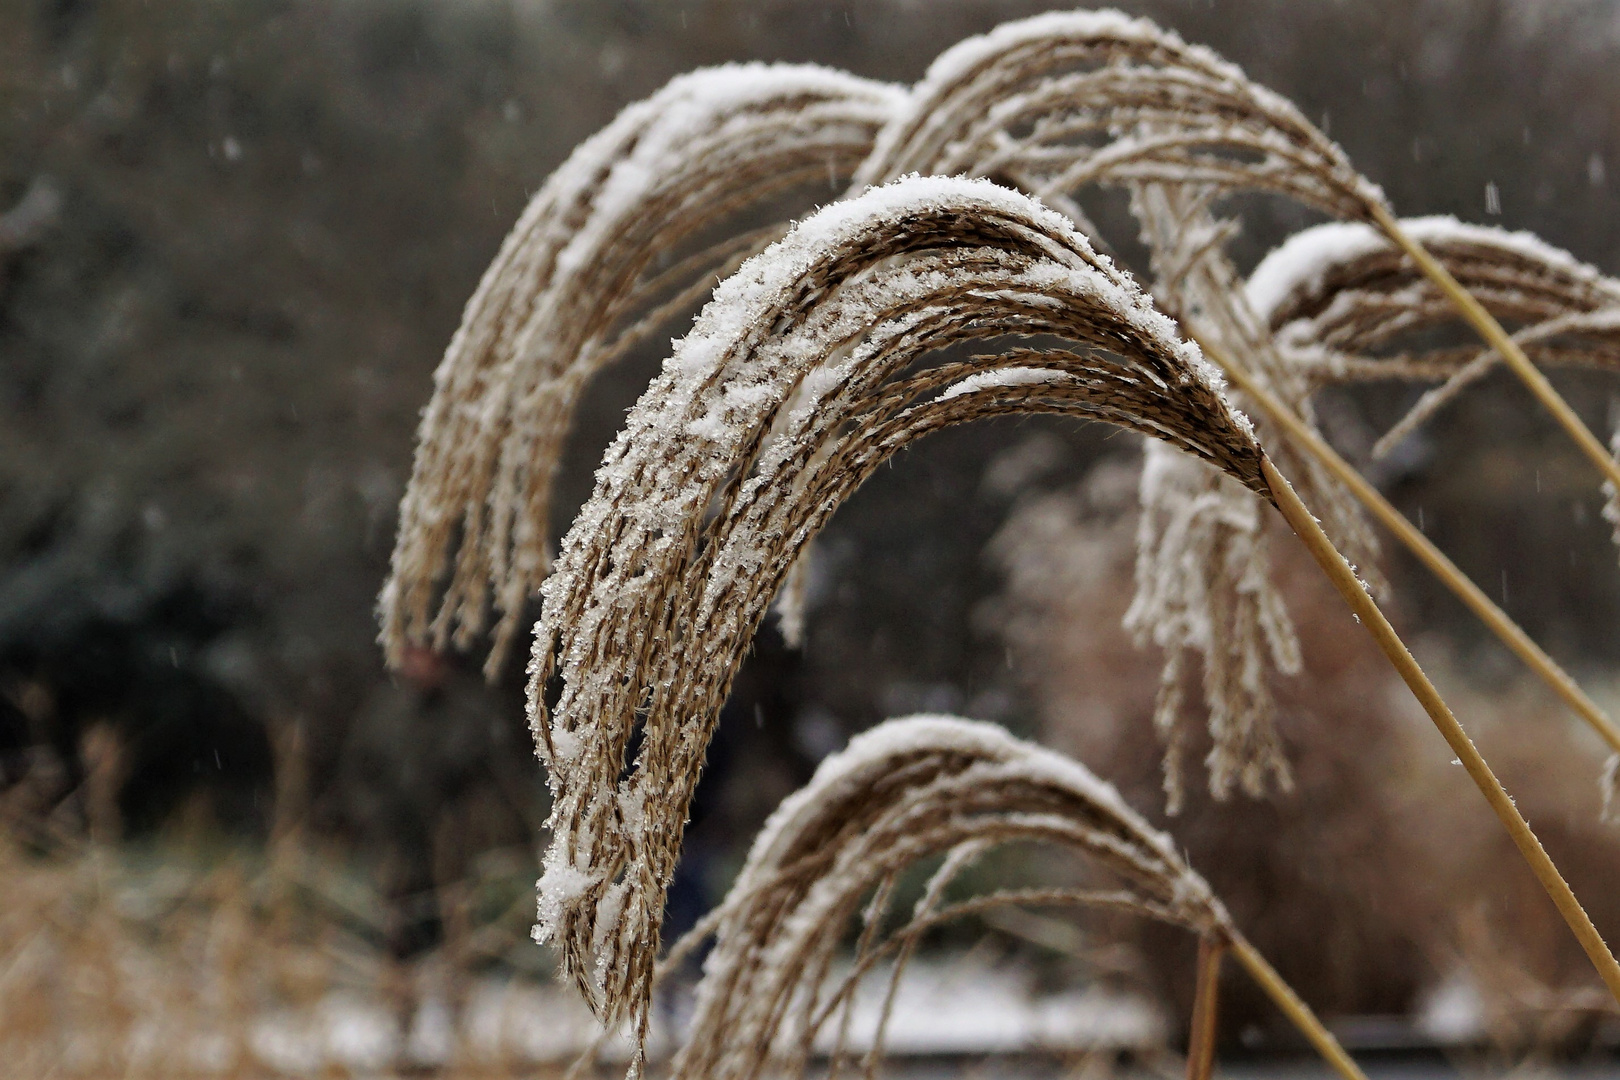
1013	376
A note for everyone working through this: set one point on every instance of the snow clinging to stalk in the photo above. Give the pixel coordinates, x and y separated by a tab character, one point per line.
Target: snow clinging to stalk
1342	300
800	378
575	284
901	792
1204	585
1065	100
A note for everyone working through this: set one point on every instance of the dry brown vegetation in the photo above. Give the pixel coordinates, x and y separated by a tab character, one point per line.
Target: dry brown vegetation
830	351
1309	873
802	375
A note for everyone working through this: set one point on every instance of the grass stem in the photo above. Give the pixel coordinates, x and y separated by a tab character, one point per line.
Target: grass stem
1432	557
1491	330
1206	1009
1295	1009
1361	602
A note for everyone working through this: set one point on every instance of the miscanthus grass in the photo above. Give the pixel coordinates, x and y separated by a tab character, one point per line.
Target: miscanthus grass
575	285
799	379
1052	104
903	793
811	366
803	375
1345	306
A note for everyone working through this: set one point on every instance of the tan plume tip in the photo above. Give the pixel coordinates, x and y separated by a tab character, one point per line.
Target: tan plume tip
1061	101
1065	99
900	793
800	378
1339	295
1203	577
575	284
1203	587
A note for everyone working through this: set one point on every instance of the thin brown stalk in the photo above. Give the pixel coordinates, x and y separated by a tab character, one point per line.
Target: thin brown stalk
1508	631
1206	1009
1298	1013
1368	614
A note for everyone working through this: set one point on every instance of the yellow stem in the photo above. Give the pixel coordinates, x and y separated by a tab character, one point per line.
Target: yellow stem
1443	568
1206	1009
1356	595
1491	330
1296	1010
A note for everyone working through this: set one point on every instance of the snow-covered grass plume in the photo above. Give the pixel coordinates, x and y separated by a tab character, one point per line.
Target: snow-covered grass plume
800	378
577	283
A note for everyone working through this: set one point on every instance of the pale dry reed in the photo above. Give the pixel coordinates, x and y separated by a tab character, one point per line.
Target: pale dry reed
794	386
577	282
1053	104
1342	301
908	791
1066	100
796	383
1204	582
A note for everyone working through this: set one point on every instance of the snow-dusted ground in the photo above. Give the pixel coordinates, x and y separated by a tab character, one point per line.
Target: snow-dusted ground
966	1016
956	1008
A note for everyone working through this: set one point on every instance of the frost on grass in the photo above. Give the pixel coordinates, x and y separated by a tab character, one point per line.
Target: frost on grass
576	283
803	374
906	791
1067	99
1346	305
1062	101
1204	597
1204	592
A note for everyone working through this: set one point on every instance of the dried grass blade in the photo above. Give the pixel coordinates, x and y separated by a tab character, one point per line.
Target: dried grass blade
904	791
569	291
1475	314
1367	612
1206	1010
1508	631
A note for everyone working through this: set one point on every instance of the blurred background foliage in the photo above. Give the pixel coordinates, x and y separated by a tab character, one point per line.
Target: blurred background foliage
236	237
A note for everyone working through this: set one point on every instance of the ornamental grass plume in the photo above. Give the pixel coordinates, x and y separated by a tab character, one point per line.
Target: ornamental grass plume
1342	302
1065	100
798	381
577	283
904	792
1050	104
800	378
